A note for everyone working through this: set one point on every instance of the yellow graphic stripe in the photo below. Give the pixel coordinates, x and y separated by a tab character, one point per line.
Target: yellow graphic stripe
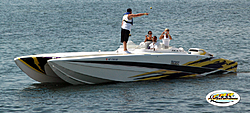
164	73
151	78
157	77
186	76
204	52
37	63
226	66
206	63
233	70
221	60
154	72
29	65
191	62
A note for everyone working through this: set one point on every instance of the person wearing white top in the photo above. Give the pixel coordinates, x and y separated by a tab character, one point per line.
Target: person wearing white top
154	45
127	22
165	37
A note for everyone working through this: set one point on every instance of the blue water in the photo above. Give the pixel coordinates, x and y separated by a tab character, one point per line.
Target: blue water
28	27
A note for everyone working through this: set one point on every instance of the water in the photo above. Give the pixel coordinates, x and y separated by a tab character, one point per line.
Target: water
34	27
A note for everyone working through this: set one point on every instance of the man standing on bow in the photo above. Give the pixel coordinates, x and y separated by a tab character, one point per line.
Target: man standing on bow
127	22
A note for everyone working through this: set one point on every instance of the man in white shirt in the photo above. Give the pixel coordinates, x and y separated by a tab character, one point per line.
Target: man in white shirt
127	22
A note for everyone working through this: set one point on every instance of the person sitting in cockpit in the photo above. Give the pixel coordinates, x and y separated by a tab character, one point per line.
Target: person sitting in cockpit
165	37
147	41
154	45
148	37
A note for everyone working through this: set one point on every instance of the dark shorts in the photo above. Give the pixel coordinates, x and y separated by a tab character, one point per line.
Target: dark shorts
124	35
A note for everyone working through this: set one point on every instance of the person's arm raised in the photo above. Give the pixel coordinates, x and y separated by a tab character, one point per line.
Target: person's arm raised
130	16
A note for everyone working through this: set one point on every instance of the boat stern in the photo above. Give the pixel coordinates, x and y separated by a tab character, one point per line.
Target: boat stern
37	68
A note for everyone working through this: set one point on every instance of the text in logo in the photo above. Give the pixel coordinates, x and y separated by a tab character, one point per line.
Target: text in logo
223	98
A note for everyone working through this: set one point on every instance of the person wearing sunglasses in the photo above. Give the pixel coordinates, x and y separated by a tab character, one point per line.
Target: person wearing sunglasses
148	37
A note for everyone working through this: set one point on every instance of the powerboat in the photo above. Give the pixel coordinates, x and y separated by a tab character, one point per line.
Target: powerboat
117	66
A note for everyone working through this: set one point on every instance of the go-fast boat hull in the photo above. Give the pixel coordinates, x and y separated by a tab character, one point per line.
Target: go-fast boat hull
136	67
41	73
141	64
37	68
